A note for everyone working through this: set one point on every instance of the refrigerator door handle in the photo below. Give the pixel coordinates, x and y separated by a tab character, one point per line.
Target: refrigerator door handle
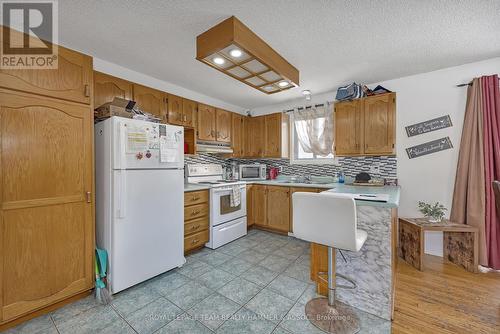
121	145
122	194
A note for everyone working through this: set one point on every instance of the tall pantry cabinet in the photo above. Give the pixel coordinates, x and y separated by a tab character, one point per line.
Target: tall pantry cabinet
46	186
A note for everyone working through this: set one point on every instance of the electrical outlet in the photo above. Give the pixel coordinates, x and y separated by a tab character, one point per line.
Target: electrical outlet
374	169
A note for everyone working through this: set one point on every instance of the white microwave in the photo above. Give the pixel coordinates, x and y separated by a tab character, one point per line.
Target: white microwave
252	172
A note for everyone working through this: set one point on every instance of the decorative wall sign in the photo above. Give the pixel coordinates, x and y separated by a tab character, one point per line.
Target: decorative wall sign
429	147
428	126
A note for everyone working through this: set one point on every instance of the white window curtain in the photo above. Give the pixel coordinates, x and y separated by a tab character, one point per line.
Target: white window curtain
314	129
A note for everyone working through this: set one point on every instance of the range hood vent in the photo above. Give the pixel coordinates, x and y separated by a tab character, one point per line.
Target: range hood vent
213	147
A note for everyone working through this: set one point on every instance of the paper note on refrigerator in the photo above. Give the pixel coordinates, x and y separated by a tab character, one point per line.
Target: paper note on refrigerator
137	140
169	151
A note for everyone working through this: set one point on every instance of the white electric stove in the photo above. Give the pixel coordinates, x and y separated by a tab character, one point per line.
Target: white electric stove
227	223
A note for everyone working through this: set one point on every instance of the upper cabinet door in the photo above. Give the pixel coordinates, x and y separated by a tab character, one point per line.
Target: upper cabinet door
175	115
189	111
255	133
379	124
272	136
107	87
72	80
348	134
206	122
150	100
47	225
237	135
223	125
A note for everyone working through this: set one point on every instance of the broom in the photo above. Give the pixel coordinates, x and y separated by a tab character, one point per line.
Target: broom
101	292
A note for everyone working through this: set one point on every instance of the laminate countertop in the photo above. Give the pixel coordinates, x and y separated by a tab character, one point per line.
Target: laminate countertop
392	191
195	187
342	188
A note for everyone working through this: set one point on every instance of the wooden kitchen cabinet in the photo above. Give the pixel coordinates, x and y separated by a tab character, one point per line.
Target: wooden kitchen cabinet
181	111
278	204
255	134
250	210
107	87
272	145
379	124
366	126
238	135
151	100
348	128
72	80
189	112
259	205
206	123
47	225
196	219
175	113
223	125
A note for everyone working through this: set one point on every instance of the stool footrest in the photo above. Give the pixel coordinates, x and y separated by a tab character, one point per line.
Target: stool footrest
348	279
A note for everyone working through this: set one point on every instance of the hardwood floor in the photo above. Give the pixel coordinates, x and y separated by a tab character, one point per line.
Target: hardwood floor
445	299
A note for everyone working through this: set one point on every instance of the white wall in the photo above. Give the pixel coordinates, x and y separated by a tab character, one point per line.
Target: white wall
146	80
422	97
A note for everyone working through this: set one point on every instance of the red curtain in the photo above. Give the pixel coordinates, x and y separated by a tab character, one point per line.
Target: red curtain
491	131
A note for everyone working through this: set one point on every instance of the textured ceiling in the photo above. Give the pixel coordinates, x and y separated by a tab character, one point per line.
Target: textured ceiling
330	42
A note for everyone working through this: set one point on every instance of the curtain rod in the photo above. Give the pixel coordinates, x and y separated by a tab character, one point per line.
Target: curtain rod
308	107
469	84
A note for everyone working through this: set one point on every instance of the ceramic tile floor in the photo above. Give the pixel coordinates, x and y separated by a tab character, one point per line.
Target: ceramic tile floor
256	284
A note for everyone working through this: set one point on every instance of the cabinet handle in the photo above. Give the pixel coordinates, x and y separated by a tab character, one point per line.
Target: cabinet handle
89	197
195	227
194	213
194	241
86	91
195	198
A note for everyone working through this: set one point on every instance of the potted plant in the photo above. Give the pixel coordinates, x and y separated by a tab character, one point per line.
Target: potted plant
434	213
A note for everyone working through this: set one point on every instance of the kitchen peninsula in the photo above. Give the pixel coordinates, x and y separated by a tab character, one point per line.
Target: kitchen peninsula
373	268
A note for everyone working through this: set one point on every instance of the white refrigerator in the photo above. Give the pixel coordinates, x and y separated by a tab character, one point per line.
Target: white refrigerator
139	198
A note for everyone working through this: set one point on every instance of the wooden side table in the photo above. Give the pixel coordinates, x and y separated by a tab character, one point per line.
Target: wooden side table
460	242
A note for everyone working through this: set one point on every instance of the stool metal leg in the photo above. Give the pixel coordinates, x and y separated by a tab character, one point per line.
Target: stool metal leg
331	276
328	314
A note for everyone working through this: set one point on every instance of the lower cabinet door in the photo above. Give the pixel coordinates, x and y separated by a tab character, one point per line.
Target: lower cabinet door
259	205
46	225
278	203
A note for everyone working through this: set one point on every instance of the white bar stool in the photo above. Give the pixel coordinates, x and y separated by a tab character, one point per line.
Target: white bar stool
329	219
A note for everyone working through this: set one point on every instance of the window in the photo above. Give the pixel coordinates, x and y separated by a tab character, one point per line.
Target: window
311	134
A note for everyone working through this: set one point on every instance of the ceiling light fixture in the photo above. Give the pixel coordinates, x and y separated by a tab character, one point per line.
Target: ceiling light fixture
283	83
307	94
235	53
219	60
246	57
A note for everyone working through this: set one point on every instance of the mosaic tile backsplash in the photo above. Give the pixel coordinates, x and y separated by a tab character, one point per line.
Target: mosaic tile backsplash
380	166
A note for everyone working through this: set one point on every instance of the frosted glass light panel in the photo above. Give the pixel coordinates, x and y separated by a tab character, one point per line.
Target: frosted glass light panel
255	66
256	81
235	53
270	88
215	60
239	72
270	76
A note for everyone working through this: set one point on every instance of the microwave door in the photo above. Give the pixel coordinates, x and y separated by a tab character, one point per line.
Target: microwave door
250	172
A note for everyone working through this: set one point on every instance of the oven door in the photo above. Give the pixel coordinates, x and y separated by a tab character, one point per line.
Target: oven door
221	210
